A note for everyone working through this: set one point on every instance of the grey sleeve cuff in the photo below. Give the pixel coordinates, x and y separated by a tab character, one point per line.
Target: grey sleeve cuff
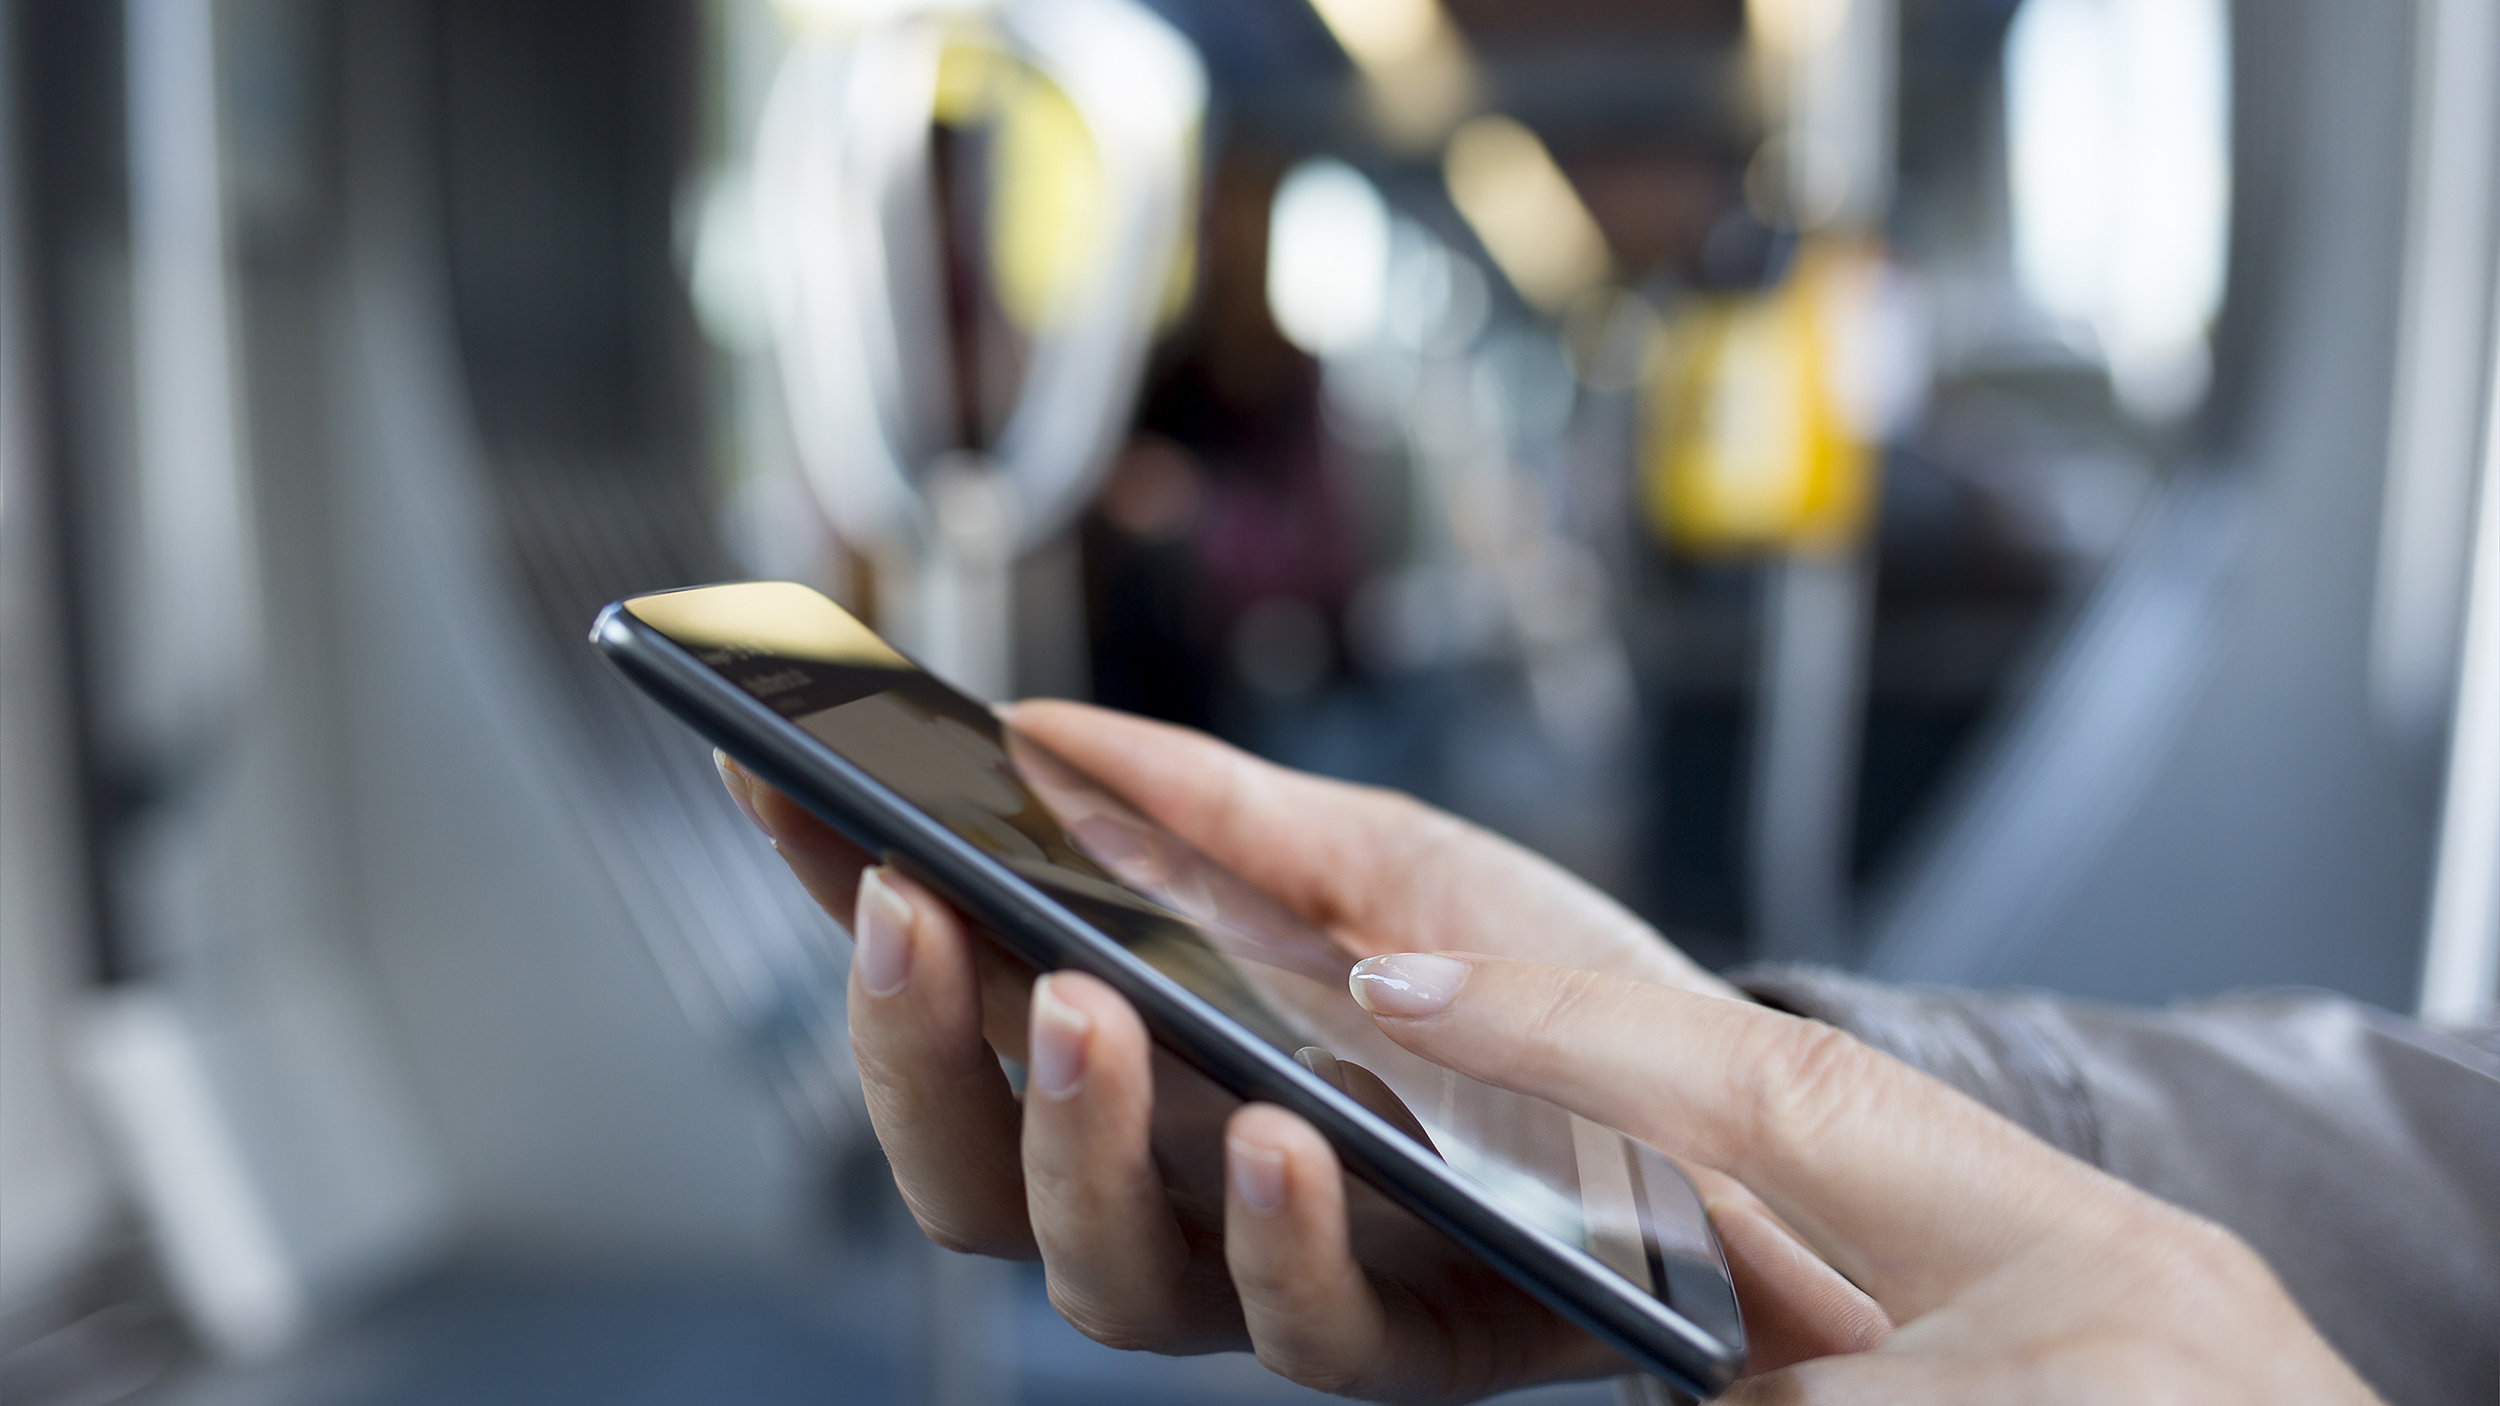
2359	1153
1997	1048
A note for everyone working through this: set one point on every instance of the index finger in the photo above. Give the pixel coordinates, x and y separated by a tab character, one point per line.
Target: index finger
1376	868
1907	1186
827	865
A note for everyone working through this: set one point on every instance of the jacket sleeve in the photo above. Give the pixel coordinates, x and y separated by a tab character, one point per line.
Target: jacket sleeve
2359	1153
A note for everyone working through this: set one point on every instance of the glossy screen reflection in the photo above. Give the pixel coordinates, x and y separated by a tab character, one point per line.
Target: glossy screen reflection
1196	922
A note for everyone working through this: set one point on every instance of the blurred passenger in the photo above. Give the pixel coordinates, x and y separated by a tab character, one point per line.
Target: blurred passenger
1924	1195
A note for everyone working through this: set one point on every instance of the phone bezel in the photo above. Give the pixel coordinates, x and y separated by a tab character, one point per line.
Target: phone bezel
1048	936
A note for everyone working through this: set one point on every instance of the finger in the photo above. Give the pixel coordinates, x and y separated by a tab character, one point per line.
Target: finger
1886	1378
1317	1318
1906	1186
1115	1258
1006	996
1377	869
740	784
1313	1316
1367	1089
827	865
1796	1307
940	1103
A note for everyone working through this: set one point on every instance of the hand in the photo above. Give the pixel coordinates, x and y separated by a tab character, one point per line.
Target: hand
2014	1272
1113	1168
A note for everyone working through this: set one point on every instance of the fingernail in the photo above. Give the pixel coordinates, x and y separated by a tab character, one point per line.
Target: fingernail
1322	1063
1055	1061
884	932
1406	983
741	788
1258	1175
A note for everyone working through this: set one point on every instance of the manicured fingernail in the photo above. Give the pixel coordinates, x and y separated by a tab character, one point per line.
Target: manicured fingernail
1406	983
741	788
1258	1175
884	932
1322	1063
1055	1061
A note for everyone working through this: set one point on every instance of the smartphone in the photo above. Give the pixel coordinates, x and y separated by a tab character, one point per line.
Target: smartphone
1066	875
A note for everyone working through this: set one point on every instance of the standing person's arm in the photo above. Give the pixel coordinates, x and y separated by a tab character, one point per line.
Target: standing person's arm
2359	1153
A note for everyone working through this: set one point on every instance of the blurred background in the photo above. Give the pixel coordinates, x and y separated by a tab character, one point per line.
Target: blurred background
1976	491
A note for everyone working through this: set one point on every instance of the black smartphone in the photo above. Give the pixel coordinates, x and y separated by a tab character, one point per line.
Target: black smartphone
1066	875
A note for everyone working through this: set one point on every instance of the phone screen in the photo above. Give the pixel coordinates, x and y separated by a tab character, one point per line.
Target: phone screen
1197	923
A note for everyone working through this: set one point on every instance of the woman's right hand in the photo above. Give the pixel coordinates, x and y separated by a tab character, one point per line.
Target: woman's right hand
2013	1272
1112	1167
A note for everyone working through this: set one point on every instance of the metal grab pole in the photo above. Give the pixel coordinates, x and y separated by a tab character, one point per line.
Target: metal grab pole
2425	536
1837	103
2461	955
1806	754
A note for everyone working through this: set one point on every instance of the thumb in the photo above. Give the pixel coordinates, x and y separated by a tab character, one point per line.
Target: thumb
1903	1184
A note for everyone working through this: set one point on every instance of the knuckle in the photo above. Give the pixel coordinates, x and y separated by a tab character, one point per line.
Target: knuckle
2131	1367
1789	1386
1420	849
905	1062
2231	1257
948	1236
1561	1009
2219	1262
966	1232
886	1082
1307	1366
1261	1283
1810	1076
1230	812
1393	808
1432	835
1119	1328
